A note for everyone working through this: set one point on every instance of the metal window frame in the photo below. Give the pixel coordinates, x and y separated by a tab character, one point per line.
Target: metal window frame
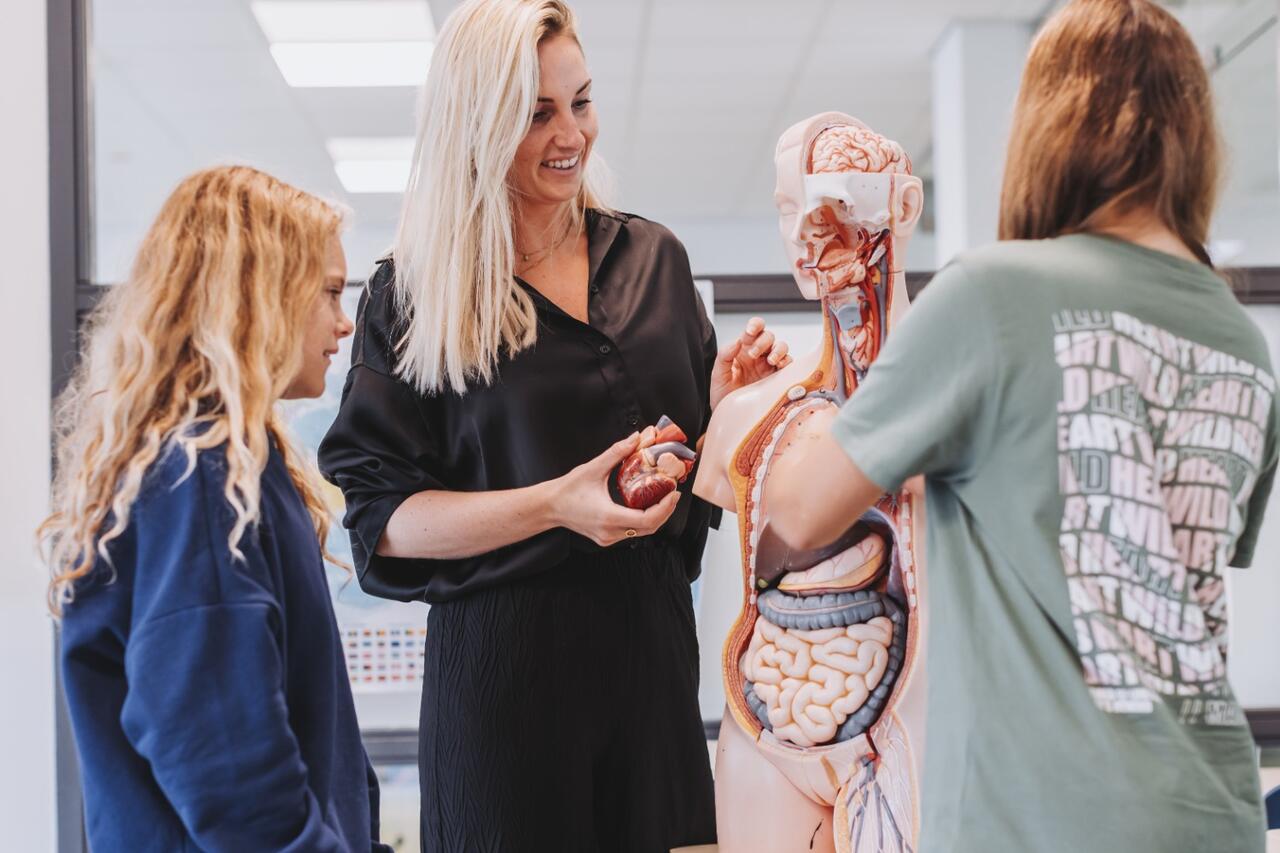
753	294
67	34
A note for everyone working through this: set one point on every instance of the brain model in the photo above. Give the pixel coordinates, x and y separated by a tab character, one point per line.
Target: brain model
846	148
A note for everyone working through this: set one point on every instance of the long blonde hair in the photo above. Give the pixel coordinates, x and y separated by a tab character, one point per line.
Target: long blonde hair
454	255
1115	112
192	350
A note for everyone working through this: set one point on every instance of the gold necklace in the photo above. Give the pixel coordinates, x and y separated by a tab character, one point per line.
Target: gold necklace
546	251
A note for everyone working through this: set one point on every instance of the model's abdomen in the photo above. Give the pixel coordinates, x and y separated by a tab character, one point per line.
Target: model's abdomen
828	643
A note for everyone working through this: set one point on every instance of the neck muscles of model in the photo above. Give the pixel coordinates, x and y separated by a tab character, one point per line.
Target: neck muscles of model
856	290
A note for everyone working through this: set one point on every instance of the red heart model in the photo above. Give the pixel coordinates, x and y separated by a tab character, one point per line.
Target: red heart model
660	463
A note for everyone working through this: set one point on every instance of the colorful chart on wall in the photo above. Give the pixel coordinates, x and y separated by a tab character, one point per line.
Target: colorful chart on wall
383	640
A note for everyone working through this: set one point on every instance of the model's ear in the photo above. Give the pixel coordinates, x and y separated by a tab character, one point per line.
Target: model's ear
908	204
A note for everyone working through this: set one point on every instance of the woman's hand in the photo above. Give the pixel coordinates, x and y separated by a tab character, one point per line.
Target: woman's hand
754	355
444	525
582	503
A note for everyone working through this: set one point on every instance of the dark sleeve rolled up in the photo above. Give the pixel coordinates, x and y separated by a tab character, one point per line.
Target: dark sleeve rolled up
382	449
645	350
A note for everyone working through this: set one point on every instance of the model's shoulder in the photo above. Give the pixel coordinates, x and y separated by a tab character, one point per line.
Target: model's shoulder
754	401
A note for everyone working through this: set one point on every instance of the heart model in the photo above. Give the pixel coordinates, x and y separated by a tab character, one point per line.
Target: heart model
659	464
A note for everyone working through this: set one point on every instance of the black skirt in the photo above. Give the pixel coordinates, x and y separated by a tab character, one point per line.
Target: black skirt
560	713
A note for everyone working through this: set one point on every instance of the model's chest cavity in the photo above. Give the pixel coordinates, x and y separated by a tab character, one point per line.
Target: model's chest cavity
830	635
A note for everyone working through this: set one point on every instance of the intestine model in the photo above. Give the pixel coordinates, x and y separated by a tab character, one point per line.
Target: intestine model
821	741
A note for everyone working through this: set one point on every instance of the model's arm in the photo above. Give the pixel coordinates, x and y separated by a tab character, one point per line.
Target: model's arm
439	524
711	483
814	488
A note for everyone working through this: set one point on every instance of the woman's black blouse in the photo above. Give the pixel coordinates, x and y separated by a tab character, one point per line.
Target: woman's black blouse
647	351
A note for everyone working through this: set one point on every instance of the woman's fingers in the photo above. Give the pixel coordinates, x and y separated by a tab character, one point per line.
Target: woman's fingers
750	337
778	355
729	352
644	522
657	515
616	452
753	328
762	345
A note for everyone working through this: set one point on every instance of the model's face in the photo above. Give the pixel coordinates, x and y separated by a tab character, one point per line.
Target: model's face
326	325
829	221
552	158
788	196
831	246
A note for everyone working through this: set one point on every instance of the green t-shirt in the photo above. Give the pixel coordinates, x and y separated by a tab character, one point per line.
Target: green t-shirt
1096	423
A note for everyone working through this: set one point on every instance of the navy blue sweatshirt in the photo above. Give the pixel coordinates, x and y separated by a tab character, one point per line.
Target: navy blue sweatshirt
209	696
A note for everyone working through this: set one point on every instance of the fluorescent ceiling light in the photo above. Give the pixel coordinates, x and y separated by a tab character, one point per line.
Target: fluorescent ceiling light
373	176
370	148
373	164
347	64
344	20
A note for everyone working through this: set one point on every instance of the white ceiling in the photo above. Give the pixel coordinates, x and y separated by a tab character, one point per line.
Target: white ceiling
691	95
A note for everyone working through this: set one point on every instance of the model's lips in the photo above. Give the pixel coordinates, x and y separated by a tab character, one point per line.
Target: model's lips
567	164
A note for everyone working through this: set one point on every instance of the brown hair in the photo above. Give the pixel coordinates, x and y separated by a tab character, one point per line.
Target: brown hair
192	350
1115	113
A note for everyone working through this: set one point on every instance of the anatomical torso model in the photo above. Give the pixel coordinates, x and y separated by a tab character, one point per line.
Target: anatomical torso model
821	744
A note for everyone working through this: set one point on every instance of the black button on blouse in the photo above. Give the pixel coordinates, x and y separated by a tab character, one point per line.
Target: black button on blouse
647	351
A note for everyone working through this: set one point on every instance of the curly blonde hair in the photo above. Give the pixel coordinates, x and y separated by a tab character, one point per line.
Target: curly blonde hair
193	351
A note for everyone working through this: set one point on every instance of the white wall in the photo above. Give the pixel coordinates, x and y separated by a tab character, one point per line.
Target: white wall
1253	594
750	246
27	811
977	68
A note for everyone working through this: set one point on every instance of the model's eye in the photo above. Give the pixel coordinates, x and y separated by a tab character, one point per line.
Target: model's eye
582	104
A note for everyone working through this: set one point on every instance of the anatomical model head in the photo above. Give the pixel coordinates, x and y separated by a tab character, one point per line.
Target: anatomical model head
845	196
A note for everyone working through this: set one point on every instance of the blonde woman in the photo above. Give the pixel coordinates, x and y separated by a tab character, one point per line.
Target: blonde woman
203	669
1094	414
519	334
